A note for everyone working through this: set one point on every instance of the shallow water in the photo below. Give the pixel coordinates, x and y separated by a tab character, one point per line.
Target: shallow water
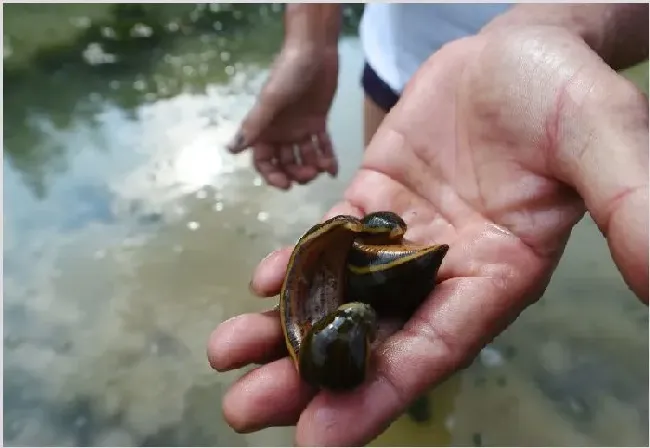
130	233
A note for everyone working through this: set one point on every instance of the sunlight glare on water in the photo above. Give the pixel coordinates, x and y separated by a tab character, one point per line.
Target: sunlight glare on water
188	152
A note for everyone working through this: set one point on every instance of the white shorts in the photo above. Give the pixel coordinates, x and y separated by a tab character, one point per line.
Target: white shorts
398	37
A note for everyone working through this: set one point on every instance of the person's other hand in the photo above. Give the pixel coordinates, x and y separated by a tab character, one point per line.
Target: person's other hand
498	145
286	127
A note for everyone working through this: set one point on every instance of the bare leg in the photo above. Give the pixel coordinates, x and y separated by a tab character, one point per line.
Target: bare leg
373	115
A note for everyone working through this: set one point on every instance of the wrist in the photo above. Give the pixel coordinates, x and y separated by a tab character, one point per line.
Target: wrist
309	50
309	58
616	32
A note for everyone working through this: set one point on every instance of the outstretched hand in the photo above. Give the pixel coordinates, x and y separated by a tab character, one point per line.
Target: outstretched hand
480	153
286	128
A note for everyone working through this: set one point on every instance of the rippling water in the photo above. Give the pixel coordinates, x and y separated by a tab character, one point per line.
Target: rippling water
129	234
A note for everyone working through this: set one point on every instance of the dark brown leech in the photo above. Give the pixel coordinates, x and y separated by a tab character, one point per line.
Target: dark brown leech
336	352
394	279
314	284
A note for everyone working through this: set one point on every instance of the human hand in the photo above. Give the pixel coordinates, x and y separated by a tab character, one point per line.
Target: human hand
287	126
498	145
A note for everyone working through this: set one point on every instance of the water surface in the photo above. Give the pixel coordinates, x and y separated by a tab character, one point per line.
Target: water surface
130	233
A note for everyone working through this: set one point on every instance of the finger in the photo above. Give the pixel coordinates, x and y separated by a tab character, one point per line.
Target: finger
246	339
325	153
269	274
271	395
257	119
447	331
616	195
300	171
264	163
286	156
308	154
238	143
287	161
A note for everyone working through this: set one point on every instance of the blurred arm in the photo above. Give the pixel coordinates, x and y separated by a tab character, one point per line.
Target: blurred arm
312	25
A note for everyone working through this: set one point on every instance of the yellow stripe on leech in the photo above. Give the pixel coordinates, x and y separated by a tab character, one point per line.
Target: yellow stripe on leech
384	266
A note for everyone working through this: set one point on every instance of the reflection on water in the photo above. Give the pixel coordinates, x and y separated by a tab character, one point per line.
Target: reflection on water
130	233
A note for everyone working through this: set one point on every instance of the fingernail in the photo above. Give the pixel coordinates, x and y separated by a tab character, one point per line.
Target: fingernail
270	255
251	283
237	143
229	319
251	288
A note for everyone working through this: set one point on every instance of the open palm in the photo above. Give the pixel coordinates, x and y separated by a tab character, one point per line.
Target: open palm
467	159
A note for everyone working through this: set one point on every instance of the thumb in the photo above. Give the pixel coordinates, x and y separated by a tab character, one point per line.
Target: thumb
608	165
257	119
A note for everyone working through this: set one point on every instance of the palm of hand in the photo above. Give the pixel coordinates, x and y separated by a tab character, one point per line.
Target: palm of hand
470	173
